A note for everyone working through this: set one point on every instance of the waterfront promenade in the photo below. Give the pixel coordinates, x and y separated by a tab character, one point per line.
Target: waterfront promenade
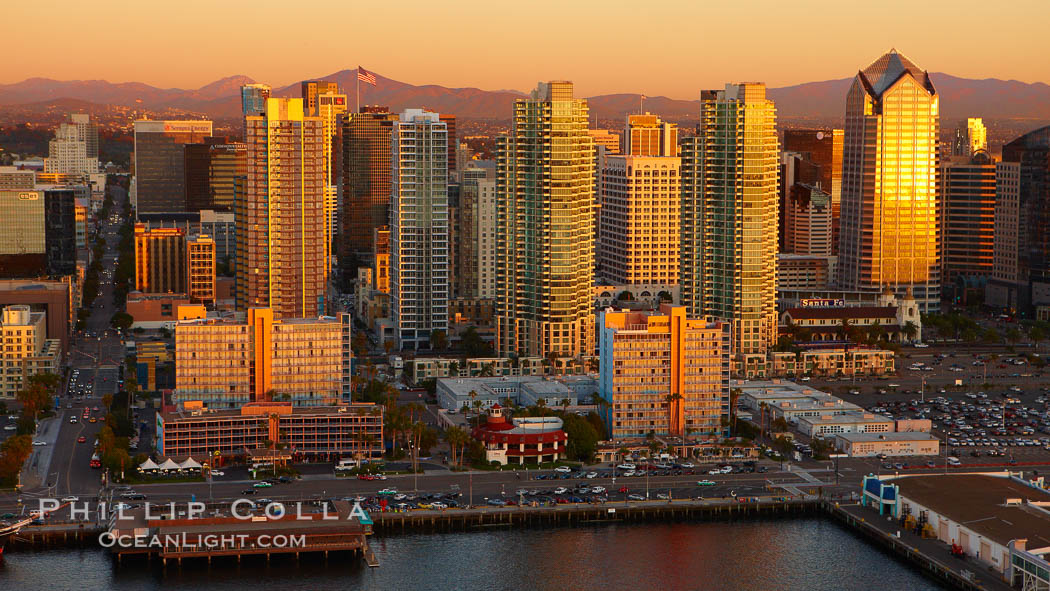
929	553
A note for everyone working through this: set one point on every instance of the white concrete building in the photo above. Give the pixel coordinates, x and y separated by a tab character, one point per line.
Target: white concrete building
75	147
419	248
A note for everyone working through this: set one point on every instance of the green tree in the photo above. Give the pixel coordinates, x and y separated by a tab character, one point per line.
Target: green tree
438	340
13	454
121	321
583	438
910	330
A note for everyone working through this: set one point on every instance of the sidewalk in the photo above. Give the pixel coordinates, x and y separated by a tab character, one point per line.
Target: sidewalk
932	548
35	470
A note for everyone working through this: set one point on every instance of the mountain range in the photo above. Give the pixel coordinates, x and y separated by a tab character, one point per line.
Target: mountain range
960	97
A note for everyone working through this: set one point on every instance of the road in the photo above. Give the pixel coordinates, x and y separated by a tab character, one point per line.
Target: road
96	354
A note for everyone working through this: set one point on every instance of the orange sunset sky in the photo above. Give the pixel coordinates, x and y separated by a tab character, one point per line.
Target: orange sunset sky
658	47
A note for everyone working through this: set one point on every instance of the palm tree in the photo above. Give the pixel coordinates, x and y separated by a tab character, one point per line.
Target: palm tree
565	402
910	330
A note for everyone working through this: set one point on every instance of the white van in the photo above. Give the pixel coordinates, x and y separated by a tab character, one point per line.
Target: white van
954	461
347	464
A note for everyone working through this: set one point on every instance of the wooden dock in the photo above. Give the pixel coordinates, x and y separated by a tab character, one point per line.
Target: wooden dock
219	535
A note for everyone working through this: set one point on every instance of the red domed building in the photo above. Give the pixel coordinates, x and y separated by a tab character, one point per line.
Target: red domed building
525	440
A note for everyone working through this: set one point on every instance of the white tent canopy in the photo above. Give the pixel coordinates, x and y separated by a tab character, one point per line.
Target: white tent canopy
190	464
148	465
169	464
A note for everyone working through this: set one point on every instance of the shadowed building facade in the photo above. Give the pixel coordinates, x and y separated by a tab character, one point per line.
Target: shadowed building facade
366	180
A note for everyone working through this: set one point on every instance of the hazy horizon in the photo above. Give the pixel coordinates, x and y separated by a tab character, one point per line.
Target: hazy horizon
604	47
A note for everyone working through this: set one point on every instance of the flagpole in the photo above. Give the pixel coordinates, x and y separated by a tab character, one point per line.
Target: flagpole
358	110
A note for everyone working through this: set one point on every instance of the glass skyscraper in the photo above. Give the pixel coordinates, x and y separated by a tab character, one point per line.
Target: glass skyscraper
890	231
730	201
545	243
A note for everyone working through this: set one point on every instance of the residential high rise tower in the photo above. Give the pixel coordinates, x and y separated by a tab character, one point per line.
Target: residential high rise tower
280	224
545	247
729	215
419	245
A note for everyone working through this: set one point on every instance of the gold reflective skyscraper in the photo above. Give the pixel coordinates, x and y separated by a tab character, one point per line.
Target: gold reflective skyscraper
889	221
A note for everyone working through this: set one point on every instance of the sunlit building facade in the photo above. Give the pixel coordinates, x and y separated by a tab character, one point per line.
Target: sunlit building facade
330	108
647	135
638	231
160	259
545	247
729	228
226	363
280	253
75	147
890	231
200	269
663	374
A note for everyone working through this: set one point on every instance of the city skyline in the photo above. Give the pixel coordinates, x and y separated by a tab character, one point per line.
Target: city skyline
190	65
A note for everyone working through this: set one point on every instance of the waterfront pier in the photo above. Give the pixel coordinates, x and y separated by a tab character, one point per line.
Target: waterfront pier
221	534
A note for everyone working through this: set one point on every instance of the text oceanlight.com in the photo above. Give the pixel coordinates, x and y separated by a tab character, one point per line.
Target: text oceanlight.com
203	542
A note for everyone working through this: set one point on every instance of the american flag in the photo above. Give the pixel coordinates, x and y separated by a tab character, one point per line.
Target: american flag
365	76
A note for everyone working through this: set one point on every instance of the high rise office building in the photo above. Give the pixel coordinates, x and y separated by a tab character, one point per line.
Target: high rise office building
253	99
330	109
38	234
1022	226
807	221
75	147
638	233
663	374
211	167
23	234
1004	288
818	163
366	180
281	262
311	89
968	218
453	142
605	139
647	135
890	232
729	215
419	246
60	215
545	247
971	136
160	259
160	161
